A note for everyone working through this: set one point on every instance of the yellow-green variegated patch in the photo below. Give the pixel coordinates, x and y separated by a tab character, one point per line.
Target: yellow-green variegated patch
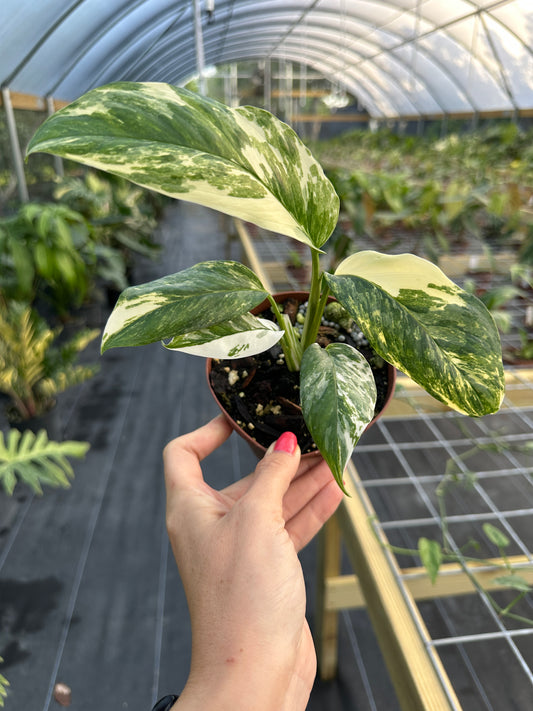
241	161
243	336
191	300
420	321
338	397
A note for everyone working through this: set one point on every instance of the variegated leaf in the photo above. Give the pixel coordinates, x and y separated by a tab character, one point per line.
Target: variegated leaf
241	161
243	336
338	397
417	319
191	300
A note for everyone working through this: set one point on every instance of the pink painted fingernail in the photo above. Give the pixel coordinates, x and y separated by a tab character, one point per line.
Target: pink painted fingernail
286	443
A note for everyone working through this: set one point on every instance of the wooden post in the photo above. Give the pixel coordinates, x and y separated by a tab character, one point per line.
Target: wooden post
327	621
58	163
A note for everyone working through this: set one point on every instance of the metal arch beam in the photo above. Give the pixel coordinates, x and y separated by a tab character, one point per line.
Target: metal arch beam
258	20
123	72
360	91
347	66
236	53
95	39
487	12
354	87
224	32
252	40
400	42
44	37
503	80
314	59
16	153
245	13
410	41
329	67
477	11
311	27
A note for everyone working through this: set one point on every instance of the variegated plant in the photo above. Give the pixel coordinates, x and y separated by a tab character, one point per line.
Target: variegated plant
246	163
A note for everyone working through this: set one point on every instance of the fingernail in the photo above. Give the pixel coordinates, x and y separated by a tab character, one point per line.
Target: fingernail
286	443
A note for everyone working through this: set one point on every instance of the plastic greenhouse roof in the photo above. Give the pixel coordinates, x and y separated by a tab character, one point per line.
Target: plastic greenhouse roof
398	57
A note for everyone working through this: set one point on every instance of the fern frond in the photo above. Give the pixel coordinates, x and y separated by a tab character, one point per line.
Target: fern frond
35	460
3	684
71	375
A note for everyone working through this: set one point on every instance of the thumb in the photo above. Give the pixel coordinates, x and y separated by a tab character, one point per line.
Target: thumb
278	467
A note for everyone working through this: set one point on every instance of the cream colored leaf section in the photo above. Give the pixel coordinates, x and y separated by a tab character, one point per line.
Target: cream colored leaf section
394	272
238	338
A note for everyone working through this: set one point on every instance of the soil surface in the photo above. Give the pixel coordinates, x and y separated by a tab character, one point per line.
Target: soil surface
263	396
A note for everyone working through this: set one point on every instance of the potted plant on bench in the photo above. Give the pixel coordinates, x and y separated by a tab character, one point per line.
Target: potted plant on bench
245	162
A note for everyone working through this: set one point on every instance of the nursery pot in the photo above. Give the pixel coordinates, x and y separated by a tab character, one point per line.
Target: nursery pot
249	434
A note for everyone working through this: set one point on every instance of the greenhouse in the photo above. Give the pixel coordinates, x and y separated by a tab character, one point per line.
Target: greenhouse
310	225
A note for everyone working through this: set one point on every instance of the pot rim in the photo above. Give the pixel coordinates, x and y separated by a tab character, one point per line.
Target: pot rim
258	448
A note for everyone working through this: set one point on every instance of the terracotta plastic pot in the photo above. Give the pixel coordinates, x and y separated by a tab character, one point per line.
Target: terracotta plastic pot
258	449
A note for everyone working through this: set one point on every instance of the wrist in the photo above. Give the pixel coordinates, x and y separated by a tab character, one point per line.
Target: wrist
235	690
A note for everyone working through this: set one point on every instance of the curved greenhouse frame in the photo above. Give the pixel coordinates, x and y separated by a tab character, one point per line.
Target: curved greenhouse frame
399	58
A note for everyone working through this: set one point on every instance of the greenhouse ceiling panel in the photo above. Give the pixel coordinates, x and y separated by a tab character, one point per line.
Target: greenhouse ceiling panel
397	57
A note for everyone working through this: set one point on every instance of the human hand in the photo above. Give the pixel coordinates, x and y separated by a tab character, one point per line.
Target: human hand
236	551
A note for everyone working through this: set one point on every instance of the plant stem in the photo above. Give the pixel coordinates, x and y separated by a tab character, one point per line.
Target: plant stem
316	303
289	342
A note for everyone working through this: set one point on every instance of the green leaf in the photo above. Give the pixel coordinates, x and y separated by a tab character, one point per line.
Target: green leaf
514	581
23	263
338	396
241	161
417	319
495	535
36	460
191	300
242	336
430	553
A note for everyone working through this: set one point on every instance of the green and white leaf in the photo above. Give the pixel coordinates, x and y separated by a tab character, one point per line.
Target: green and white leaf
243	336
242	161
191	300
496	536
338	397
513	581
420	321
35	460
430	553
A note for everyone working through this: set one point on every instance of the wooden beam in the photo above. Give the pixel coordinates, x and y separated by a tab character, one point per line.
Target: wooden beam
416	671
364	118
30	102
343	592
251	255
297	93
331	118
